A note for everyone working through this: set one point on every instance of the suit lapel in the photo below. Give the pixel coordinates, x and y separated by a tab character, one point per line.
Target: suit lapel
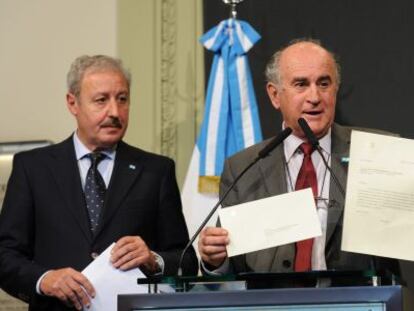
127	168
272	169
340	150
273	176
65	171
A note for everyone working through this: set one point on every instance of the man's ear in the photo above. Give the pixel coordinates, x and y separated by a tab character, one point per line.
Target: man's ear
72	103
273	93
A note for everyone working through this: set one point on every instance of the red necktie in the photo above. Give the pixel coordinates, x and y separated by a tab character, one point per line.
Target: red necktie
306	178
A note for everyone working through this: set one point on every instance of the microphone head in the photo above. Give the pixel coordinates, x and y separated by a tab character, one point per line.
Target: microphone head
313	140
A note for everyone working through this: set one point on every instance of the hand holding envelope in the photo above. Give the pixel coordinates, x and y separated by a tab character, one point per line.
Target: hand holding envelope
109	281
212	245
270	222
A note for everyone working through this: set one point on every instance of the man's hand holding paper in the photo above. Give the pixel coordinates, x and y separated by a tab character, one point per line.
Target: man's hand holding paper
270	222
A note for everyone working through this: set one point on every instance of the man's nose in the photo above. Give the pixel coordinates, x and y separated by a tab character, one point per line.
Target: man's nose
113	109
313	95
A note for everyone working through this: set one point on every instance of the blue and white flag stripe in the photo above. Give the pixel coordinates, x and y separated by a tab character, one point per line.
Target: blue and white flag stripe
231	121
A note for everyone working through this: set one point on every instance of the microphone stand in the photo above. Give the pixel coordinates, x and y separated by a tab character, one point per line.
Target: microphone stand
335	179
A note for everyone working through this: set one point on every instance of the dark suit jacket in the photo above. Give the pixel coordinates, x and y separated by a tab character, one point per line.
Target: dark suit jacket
268	178
44	222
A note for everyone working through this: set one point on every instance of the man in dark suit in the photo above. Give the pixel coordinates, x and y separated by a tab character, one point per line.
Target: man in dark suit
303	80
62	209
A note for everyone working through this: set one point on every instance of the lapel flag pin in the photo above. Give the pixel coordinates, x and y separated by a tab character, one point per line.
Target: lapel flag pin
132	166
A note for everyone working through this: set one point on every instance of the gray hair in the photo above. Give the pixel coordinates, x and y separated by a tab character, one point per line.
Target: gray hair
272	71
92	63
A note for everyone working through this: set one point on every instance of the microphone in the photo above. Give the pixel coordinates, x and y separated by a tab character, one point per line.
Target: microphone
261	154
313	140
308	133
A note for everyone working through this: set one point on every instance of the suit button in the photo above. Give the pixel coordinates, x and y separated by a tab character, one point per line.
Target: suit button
286	263
94	255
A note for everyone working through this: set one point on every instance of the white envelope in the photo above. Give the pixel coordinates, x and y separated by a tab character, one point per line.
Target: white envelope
110	282
270	222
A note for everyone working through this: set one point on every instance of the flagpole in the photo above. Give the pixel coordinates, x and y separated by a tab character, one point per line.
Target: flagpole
233	7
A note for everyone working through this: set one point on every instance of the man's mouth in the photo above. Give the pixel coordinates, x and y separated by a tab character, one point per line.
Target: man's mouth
313	112
112	126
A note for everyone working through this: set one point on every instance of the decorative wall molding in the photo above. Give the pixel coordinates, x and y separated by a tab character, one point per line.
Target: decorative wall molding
158	41
168	78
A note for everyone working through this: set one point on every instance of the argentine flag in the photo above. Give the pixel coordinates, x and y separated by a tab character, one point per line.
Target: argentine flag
231	121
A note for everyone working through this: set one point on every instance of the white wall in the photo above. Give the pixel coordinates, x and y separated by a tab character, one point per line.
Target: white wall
38	41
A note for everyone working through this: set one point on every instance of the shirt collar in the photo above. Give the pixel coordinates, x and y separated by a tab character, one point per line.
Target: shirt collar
81	150
292	143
